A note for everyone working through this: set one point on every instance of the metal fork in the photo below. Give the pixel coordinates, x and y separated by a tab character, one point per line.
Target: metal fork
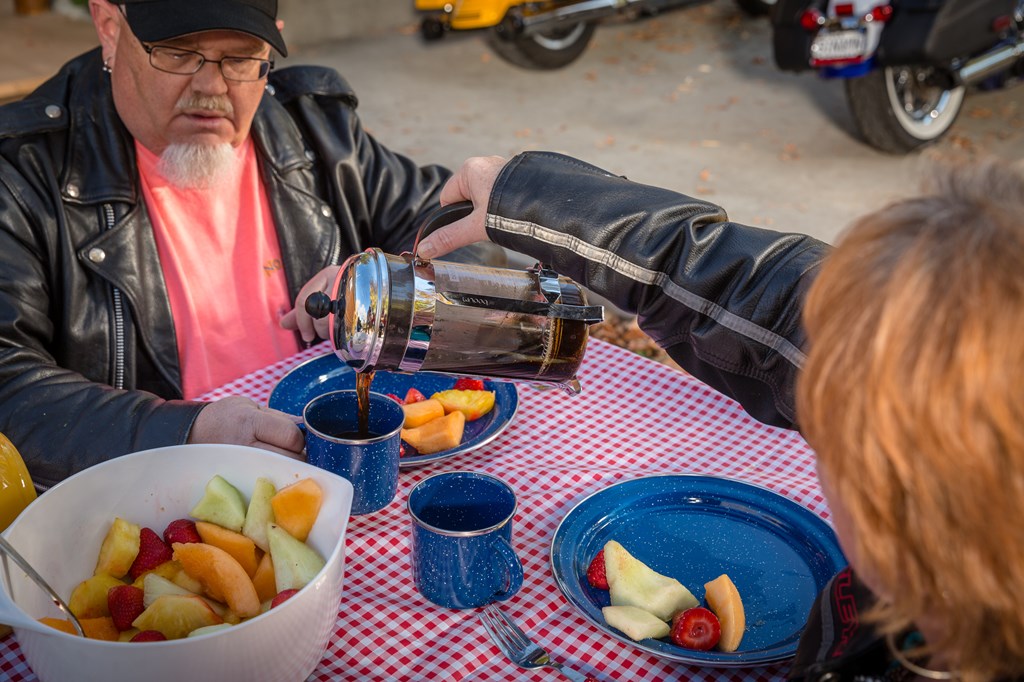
514	643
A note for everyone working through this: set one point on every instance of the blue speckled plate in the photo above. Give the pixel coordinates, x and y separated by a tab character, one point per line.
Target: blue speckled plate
694	528
327	373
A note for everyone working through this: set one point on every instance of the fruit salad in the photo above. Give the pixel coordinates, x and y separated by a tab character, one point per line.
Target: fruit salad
646	604
231	559
437	423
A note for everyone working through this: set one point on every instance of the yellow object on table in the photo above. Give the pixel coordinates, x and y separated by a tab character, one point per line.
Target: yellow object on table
16	490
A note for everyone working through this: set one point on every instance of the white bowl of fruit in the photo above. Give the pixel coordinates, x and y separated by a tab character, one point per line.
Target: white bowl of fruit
191	562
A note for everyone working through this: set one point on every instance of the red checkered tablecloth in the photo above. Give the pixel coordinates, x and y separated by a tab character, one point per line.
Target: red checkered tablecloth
635	418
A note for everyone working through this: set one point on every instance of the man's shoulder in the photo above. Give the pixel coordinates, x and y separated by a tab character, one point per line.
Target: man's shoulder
297	81
32	116
46	110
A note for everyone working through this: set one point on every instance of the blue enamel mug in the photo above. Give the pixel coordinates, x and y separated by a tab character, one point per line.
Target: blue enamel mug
333	442
462	554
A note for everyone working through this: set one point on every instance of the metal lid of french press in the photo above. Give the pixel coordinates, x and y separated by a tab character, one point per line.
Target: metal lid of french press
360	308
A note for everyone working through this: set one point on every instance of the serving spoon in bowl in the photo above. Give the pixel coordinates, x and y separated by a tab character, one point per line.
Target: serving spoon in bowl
8	549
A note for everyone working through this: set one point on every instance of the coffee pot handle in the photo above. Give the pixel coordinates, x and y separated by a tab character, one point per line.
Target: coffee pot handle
441	217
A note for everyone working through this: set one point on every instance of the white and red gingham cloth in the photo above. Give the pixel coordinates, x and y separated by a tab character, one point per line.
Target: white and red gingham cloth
634	418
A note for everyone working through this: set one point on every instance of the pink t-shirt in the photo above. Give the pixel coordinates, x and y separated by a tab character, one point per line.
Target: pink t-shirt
222	264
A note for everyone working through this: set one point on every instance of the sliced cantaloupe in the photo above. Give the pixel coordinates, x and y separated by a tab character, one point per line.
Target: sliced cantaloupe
221	576
237	545
296	507
438	434
724	600
418	414
264	581
62	624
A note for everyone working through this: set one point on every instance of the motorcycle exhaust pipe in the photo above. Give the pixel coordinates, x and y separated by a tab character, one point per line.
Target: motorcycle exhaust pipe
990	63
576	12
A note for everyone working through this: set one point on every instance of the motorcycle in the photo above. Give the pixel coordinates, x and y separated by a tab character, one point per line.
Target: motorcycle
906	65
548	34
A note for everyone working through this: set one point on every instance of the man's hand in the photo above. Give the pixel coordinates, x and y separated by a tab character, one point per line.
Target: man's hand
240	421
473	181
298	318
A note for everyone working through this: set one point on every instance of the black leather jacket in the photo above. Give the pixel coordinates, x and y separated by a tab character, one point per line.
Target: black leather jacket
88	359
723	299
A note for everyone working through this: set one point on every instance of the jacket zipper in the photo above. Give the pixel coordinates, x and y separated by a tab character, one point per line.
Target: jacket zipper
119	360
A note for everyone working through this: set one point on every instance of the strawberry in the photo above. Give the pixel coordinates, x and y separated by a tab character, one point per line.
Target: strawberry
467	384
181	530
149	636
152	552
396	398
125	603
696	628
413	395
596	574
282	597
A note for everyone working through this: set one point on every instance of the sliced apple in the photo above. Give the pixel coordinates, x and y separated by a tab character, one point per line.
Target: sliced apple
296	507
634	622
207	629
89	598
259	513
119	549
632	583
176	615
295	563
155	586
221	504
724	600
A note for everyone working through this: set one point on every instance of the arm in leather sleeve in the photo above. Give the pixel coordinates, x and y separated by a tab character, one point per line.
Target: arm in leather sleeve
722	299
59	420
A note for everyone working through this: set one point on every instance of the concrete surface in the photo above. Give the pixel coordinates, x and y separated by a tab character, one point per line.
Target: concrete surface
689	100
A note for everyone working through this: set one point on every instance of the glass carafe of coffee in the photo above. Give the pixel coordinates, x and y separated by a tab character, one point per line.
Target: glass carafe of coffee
408	314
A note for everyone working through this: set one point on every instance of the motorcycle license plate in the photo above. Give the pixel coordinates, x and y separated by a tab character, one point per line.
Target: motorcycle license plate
838	46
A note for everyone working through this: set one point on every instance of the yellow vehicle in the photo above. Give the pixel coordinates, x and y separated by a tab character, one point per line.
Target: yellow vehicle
545	34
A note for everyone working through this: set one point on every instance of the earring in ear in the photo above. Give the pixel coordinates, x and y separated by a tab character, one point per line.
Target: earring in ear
106	65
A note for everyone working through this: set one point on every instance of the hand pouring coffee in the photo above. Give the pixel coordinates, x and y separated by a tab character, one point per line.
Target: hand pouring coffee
408	314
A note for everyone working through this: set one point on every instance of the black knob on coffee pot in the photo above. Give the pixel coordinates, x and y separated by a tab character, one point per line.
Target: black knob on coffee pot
319	305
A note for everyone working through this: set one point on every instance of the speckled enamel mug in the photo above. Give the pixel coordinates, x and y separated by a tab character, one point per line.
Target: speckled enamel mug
331	424
462	554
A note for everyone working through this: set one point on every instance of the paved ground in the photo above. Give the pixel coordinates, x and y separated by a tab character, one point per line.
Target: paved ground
689	100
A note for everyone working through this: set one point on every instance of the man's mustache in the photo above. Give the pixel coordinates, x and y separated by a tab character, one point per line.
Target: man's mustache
219	105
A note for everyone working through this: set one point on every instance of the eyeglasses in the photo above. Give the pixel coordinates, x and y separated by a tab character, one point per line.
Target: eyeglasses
188	62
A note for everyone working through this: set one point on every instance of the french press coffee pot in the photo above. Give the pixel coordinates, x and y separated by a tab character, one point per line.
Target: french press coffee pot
408	314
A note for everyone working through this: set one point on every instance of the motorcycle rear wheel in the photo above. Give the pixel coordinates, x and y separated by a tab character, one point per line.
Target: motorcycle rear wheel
551	49
897	109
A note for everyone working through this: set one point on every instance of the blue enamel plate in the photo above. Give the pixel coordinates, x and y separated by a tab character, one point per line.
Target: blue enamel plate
327	373
779	554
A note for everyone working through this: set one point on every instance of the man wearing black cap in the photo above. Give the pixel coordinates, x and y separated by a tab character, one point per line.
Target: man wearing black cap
164	202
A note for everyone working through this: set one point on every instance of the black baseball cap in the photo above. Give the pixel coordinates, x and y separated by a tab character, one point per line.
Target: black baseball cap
154	20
